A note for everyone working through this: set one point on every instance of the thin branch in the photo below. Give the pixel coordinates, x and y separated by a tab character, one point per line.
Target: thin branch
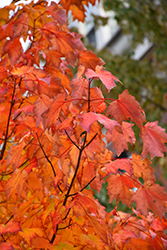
83	187
9	219
67	214
46	155
5	174
8	122
91	140
74	176
48	161
72	140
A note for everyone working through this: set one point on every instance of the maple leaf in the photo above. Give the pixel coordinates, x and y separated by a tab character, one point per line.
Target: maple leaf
137	244
151	197
11	227
99	229
106	77
119	187
16	27
89	172
6	246
97	100
154	138
121	136
87	119
14	155
78	89
16	182
41	105
31	233
13	49
77	7
126	107
89	60
56	12
122	237
142	168
51	115
118	165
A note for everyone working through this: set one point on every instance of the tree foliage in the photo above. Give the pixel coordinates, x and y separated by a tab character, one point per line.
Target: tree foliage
53	153
145	79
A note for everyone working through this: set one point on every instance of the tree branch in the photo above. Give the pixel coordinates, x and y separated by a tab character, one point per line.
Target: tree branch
8	122
48	160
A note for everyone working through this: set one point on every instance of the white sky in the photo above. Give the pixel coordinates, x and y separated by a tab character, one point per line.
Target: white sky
4	3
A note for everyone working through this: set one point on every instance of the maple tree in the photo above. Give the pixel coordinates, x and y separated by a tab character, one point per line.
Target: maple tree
53	152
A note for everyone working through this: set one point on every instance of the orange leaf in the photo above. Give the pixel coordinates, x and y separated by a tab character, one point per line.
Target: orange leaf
126	107
119	187
30	233
89	60
99	229
51	115
16	182
142	168
151	197
154	138
137	244
14	155
105	76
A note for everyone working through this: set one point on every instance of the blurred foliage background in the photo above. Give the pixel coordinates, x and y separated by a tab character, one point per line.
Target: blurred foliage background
146	78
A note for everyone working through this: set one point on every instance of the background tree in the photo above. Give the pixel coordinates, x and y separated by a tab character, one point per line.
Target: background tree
53	153
145	78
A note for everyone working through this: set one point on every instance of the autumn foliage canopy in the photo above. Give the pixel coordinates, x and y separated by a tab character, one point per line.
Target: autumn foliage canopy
53	152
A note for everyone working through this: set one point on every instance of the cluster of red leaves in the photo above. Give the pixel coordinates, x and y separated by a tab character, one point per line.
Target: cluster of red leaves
53	148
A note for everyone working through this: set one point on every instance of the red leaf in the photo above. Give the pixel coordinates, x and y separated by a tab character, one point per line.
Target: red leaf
78	89
121	137
6	246
115	166
57	12
119	187
154	138
151	197
41	105
13	49
126	107
89	60
87	119
105	76
11	227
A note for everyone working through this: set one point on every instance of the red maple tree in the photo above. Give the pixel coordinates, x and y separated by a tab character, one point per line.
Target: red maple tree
53	148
